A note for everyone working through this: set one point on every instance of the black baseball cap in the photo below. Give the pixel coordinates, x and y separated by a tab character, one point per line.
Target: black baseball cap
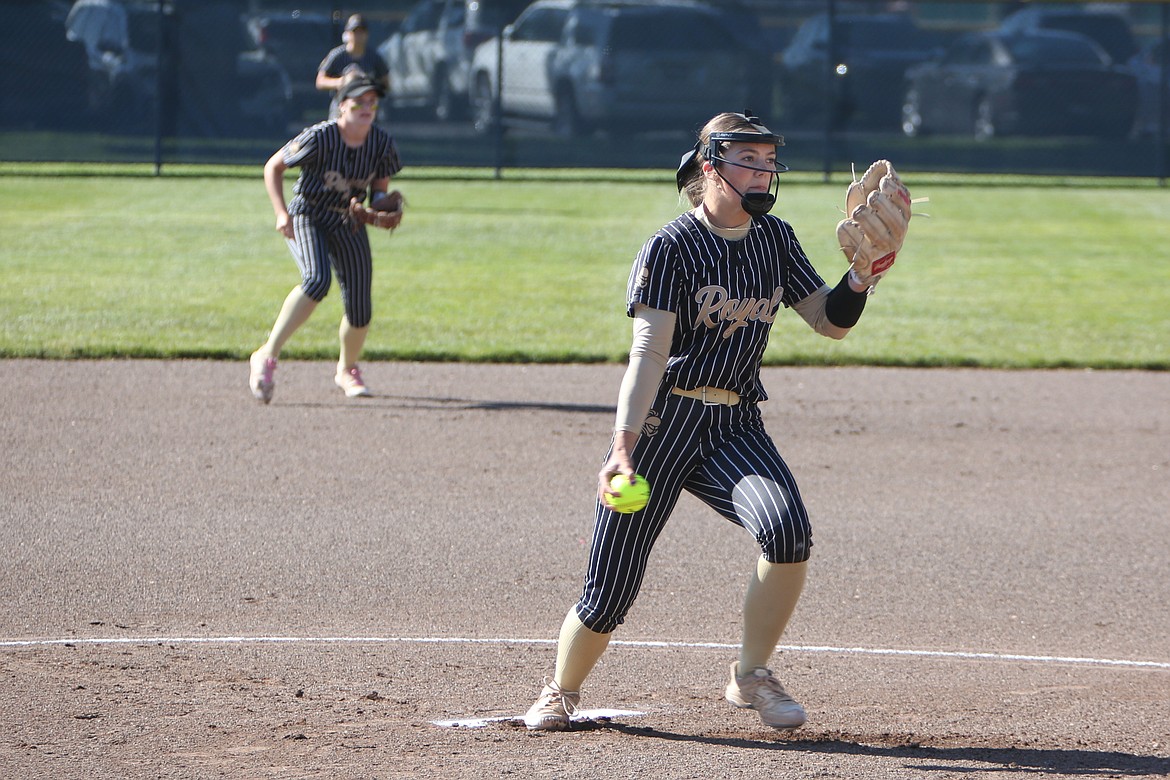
356	22
355	87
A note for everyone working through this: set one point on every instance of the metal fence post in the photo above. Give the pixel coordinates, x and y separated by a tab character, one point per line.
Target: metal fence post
1163	82
829	86
159	83
498	106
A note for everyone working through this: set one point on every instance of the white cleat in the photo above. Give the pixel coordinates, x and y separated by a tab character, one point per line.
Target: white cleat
260	377
762	692
554	710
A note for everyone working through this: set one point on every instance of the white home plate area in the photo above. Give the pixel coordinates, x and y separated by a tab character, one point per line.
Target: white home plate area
580	717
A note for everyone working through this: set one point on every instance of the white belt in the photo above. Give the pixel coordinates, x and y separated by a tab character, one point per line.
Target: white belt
710	396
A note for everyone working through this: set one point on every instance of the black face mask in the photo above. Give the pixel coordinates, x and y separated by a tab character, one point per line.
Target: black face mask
756	204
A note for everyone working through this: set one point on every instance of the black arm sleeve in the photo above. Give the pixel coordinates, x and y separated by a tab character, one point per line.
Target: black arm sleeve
843	307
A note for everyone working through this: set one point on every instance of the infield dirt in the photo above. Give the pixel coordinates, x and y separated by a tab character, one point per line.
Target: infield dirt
199	586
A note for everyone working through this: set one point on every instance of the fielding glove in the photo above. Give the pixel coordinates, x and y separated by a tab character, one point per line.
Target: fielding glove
877	212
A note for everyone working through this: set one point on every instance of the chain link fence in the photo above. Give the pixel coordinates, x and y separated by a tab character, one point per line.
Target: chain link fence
1048	88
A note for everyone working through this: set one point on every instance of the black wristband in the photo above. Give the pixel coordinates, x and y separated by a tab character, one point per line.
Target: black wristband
843	307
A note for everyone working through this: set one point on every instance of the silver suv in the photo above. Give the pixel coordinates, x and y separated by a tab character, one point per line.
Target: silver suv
429	56
582	65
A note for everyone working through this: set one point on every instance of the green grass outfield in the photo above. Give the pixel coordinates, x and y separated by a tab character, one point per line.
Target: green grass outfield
1005	272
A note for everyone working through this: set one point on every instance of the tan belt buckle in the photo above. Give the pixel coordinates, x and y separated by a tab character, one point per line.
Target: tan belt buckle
711	396
729	397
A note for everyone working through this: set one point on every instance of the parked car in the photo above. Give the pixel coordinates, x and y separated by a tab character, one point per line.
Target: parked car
638	65
214	81
299	41
423	58
849	67
122	43
40	70
1108	28
429	56
993	83
1146	66
226	86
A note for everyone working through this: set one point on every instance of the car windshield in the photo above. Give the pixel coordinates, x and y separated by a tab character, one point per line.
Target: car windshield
1053	50
1109	31
881	35
667	32
496	13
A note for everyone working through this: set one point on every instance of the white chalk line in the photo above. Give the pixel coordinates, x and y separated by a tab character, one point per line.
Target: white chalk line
823	649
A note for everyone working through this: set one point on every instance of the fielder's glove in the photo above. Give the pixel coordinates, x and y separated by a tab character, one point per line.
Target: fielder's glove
877	213
384	211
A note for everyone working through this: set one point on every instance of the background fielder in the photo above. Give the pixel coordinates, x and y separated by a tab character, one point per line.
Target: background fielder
340	160
703	292
353	56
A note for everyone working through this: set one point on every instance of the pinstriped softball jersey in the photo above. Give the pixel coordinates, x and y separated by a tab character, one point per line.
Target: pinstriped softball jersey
331	174
726	295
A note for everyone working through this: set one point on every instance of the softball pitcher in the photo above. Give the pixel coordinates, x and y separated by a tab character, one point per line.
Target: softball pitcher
703	293
325	228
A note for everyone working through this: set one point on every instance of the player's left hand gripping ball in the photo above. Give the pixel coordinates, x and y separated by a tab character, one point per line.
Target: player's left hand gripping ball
631	496
877	212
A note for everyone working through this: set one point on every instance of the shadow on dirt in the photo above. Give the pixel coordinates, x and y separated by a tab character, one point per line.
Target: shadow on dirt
1064	762
461	404
508	406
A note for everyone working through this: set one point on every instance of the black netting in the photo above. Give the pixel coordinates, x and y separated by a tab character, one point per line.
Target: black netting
957	86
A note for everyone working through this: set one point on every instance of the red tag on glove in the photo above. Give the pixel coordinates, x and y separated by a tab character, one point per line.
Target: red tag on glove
882	264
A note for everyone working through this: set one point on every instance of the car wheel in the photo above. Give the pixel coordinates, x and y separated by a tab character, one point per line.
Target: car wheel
911	115
984	120
567	121
483	106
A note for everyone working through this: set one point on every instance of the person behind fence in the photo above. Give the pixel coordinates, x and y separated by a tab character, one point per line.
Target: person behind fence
352	55
325	227
703	293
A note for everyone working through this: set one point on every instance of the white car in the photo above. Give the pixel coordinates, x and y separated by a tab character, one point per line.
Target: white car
429	56
639	65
